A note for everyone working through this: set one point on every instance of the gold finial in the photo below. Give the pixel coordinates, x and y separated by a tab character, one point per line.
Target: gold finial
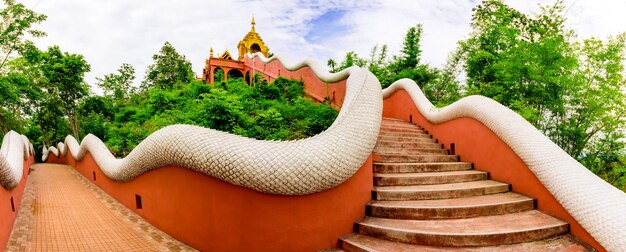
211	54
253	23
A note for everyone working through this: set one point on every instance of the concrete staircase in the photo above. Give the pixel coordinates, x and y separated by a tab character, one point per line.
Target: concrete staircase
425	199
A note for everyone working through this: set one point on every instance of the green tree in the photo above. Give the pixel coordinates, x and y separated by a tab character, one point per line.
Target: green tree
411	49
64	80
118	84
15	26
332	64
169	68
378	64
572	91
9	98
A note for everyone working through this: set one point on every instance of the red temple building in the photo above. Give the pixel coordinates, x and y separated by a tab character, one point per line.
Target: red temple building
225	66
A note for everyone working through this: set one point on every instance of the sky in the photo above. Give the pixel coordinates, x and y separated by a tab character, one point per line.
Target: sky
111	32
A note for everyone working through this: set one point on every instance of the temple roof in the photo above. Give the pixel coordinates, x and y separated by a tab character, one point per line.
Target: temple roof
251	38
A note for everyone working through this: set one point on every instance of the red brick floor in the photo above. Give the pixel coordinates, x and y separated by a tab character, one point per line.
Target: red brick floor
62	211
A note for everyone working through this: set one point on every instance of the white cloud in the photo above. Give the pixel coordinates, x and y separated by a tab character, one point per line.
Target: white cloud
111	32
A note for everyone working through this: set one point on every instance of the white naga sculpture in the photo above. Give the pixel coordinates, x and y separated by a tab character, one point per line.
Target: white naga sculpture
279	167
15	149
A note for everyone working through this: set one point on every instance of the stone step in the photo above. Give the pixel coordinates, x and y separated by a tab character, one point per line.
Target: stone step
439	191
362	243
396	144
418	138
493	230
392	119
400	124
426	158
401	137
400	127
397	121
380	167
410	151
404	134
428	178
388	129
465	207
407	140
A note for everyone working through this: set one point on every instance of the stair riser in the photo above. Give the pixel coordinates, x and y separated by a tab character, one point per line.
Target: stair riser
399	122
441	194
416	159
448	213
391	151
460	240
394	168
408	130
395	144
431	180
404	134
406	139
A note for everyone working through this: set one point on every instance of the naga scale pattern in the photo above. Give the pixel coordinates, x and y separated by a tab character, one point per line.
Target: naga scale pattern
15	149
295	167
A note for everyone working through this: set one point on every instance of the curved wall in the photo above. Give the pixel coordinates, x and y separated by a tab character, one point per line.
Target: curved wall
8	213
212	215
313	86
476	143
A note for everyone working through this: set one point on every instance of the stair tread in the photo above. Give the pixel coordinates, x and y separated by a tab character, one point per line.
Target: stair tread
368	243
412	135
404	151
423	164
402	134
439	187
416	140
463	202
391	119
427	174
417	155
420	151
400	125
432	147
483	225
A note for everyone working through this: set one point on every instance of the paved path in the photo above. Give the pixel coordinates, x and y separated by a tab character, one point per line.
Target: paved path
62	211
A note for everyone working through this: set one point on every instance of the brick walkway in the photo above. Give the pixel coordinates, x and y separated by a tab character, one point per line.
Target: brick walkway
62	211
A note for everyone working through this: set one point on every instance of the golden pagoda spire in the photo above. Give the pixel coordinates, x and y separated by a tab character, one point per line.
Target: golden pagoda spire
211	53
253	23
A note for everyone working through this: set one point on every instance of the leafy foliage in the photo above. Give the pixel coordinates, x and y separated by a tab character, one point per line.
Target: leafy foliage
276	111
572	91
441	87
62	74
16	24
169	68
118	84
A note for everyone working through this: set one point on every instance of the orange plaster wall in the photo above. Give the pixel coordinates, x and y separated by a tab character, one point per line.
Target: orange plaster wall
54	159
7	215
312	85
213	215
476	143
